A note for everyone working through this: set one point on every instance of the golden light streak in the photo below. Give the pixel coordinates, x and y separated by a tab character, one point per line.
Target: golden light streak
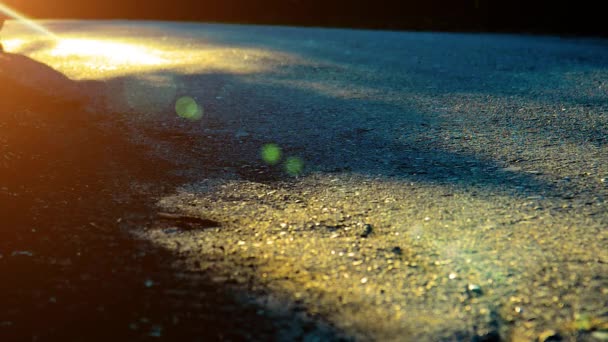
91	50
111	53
25	20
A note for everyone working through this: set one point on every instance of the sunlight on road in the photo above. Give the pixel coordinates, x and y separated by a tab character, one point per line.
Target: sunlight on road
102	58
146	64
13	44
80	58
106	52
93	53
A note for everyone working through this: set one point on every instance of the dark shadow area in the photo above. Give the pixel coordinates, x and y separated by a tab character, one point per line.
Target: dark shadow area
72	186
583	18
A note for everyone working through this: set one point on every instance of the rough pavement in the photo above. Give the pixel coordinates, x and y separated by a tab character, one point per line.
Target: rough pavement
453	185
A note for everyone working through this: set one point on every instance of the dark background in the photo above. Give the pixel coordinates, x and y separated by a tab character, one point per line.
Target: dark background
560	17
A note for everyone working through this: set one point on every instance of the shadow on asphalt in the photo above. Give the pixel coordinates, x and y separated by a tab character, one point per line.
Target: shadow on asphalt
551	71
337	134
70	269
324	137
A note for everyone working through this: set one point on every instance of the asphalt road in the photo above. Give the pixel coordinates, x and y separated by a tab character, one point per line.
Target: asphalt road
429	186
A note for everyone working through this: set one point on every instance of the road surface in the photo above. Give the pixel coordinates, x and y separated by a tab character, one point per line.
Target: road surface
361	185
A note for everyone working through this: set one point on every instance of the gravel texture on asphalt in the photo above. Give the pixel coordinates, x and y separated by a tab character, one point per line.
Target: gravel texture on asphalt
429	186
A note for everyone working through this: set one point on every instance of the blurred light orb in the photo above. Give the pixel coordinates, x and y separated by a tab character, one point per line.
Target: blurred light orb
271	154
294	166
187	108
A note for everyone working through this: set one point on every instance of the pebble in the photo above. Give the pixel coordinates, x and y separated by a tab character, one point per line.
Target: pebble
172	230
367	230
474	290
549	336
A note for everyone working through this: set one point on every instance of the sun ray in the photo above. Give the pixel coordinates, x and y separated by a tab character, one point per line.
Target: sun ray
27	21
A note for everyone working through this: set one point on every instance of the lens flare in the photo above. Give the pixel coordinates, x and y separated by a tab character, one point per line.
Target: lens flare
294	166
187	108
271	154
27	21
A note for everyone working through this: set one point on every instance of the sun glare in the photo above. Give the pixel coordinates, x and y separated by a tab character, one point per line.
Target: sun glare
13	44
110	52
11	13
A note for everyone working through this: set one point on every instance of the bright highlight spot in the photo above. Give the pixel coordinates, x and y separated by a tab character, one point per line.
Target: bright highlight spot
13	44
187	108
271	153
294	166
108	52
